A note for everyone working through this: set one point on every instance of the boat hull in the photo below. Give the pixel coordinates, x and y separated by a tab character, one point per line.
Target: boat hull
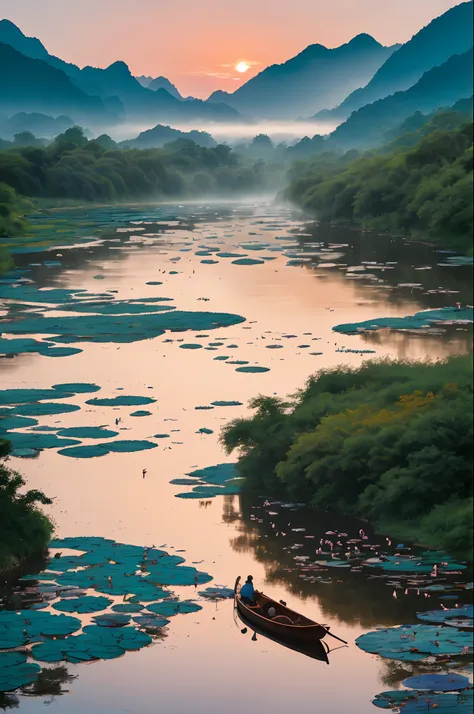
307	632
315	649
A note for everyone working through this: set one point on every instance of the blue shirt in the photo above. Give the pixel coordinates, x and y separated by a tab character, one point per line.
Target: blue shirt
247	590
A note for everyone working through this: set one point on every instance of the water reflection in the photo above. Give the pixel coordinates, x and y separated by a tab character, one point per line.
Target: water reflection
109	498
276	537
318	650
49	685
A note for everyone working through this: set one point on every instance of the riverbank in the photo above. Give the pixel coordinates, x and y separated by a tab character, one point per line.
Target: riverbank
139	257
25	530
376	442
421	191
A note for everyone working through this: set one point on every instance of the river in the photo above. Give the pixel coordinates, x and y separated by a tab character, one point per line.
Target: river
303	280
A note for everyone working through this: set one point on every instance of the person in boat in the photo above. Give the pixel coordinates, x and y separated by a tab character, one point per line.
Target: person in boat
247	591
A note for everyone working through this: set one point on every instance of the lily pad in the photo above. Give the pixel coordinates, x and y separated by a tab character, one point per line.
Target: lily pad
82	605
127	607
418	639
87	432
444	615
84	452
60	351
45	409
150	621
223	403
129	446
15	422
120	401
171	608
15	672
437	682
77	387
112	620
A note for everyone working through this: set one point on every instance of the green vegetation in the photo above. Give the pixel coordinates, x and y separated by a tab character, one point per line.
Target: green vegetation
425	191
390	442
24	529
11	212
72	167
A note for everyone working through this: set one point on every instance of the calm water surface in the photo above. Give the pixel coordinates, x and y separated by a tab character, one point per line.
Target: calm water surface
204	664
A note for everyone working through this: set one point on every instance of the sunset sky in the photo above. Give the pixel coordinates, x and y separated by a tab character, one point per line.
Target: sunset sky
198	43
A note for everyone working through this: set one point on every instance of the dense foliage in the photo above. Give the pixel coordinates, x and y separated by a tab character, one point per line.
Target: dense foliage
24	529
391	442
72	167
11	211
425	190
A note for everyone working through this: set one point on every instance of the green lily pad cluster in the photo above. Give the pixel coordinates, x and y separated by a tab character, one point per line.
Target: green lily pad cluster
84	604
95	643
422	563
18	628
171	608
135	573
218	480
15	671
417	702
449	682
415	642
120	328
419	320
444	616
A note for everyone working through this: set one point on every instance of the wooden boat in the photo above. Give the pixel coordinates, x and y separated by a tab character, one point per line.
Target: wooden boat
317	649
286	623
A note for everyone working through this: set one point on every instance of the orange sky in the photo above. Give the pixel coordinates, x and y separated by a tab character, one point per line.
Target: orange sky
196	43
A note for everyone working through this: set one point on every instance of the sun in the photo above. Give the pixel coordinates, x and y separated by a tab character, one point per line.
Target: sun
242	67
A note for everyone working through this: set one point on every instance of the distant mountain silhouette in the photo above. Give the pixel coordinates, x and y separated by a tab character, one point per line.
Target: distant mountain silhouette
466	106
36	123
142	102
11	35
159	83
32	85
161	135
440	87
449	34
316	78
117	88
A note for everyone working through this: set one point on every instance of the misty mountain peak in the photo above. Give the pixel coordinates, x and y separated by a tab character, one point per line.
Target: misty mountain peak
313	51
8	26
119	69
11	34
363	41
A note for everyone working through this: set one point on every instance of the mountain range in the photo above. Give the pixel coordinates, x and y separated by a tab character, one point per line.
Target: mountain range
38	124
439	87
159	83
31	85
376	87
316	78
114	90
449	34
160	135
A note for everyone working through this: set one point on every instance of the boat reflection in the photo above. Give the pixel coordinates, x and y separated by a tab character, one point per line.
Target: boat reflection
317	649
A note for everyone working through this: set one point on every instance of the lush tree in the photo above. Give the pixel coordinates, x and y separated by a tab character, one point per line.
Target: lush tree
377	442
11	212
24	529
423	188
